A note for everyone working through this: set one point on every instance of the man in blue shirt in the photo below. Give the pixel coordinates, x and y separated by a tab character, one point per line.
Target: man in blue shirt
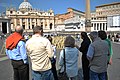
15	50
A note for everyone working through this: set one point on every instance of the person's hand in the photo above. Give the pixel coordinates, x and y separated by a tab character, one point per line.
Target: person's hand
110	62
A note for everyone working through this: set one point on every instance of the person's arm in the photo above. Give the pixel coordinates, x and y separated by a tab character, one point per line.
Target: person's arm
27	48
54	50
90	53
49	49
10	54
110	61
110	51
23	51
61	58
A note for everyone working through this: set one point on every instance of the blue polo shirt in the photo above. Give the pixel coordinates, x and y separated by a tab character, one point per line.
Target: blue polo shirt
90	52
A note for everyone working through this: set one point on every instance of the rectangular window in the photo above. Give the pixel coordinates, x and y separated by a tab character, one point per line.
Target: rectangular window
23	26
29	27
106	26
97	26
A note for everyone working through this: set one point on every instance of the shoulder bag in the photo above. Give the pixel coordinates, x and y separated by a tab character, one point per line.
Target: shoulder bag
63	75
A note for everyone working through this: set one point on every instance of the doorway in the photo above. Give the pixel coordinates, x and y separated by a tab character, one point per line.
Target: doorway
4	27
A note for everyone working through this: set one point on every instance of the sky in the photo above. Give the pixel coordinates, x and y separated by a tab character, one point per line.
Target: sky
58	6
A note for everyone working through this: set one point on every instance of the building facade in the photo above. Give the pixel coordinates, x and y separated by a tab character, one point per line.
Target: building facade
113	22
77	23
101	17
72	20
28	17
5	25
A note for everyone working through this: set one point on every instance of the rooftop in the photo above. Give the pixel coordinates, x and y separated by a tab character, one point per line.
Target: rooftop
115	3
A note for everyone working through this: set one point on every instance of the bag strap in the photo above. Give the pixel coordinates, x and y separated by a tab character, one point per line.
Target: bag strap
64	60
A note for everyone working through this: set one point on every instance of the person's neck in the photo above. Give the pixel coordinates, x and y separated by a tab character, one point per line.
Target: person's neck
38	34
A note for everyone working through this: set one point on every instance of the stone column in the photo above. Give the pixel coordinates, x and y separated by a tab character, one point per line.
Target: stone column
93	25
20	22
35	22
87	13
53	24
105	26
27	24
12	26
101	26
43	23
30	23
7	27
15	22
0	26
88	17
48	24
38	22
98	26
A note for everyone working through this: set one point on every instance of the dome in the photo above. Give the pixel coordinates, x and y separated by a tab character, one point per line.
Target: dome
25	5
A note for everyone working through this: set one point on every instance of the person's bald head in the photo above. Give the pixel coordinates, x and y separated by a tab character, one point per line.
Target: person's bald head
19	29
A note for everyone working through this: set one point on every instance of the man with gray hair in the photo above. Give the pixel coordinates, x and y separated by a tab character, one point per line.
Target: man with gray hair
98	55
16	51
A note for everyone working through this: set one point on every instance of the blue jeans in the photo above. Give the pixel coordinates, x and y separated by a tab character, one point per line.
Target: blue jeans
42	75
97	76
